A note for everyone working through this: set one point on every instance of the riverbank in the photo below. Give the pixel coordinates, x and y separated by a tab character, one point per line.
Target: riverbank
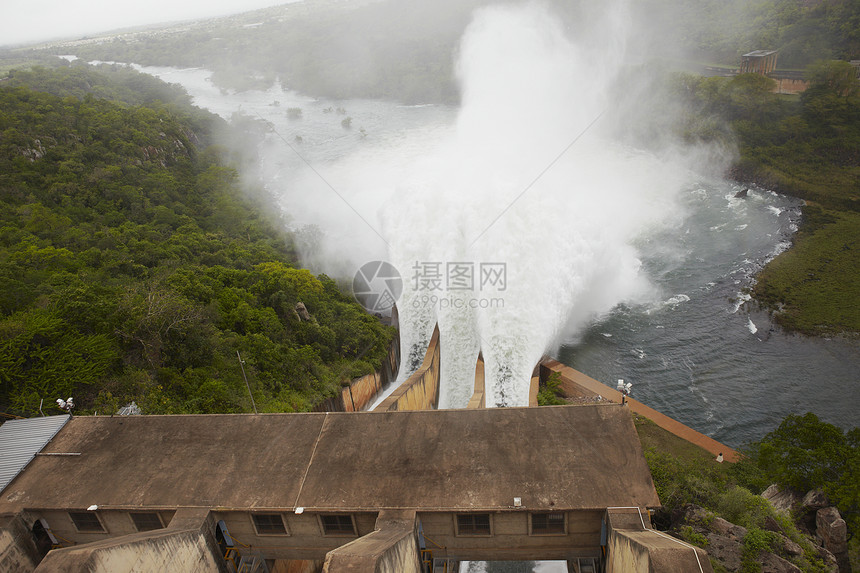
813	287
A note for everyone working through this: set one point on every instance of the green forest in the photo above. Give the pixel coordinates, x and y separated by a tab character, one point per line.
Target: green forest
135	265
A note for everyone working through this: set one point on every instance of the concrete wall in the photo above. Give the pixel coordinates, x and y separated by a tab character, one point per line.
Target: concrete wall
188	545
305	538
511	539
633	547
421	390
116	523
297	566
391	548
17	550
478	399
790	85
575	384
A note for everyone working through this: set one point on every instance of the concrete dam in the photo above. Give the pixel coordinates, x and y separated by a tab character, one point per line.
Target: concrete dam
404	487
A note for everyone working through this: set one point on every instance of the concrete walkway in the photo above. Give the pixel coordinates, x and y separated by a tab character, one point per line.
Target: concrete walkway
575	383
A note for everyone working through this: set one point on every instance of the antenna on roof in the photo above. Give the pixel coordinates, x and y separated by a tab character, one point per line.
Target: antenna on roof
248	386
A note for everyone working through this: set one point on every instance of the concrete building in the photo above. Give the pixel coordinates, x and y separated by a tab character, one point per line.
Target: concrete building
759	62
344	491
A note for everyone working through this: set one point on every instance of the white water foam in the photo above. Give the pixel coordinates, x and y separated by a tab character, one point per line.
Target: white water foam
567	240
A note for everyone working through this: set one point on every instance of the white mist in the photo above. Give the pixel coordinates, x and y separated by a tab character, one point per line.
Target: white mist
573	214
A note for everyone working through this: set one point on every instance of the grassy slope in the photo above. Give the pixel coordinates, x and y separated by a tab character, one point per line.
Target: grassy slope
816	284
685	473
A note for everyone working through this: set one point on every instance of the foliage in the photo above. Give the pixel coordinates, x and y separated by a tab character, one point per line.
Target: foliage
804	453
689	535
809	284
134	267
680	481
551	393
684	473
755	542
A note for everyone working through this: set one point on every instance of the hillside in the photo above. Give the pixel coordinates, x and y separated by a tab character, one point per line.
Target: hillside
135	266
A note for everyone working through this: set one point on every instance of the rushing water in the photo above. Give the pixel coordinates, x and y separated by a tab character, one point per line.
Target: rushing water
694	351
702	356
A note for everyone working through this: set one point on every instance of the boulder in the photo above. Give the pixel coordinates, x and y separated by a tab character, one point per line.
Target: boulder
832	530
814	500
771	563
830	562
781	500
723	527
790	547
725	549
303	313
770	524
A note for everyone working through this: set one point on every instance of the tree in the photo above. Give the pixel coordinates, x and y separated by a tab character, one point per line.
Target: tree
836	76
803	452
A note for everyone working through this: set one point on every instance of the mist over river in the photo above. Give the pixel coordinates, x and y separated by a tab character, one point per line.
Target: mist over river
689	345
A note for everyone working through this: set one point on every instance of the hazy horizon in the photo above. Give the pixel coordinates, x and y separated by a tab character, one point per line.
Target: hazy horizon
46	20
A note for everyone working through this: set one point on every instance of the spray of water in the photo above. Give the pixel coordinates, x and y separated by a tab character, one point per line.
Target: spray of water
530	178
530	91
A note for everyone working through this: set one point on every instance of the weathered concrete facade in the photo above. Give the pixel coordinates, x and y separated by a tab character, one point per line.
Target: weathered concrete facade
421	390
634	547
390	548
187	545
18	552
300	486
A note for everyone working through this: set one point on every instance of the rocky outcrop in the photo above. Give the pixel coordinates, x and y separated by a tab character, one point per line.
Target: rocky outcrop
724	541
815	517
302	312
782	500
771	563
832	530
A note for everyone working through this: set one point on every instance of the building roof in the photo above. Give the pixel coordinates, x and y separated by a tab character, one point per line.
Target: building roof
20	440
759	53
562	457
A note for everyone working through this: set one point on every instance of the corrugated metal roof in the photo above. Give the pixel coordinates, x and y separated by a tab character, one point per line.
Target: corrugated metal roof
21	440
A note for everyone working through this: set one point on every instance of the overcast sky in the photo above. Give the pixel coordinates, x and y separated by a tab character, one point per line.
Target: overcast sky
23	21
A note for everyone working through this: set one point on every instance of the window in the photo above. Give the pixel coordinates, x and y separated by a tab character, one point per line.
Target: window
473	524
86	521
146	520
269	524
338	524
547	523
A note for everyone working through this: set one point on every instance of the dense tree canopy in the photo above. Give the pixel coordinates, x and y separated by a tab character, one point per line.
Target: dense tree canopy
133	266
804	453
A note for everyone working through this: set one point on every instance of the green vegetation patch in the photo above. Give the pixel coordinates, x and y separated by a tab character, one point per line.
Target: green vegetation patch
807	147
802	452
814	287
135	267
